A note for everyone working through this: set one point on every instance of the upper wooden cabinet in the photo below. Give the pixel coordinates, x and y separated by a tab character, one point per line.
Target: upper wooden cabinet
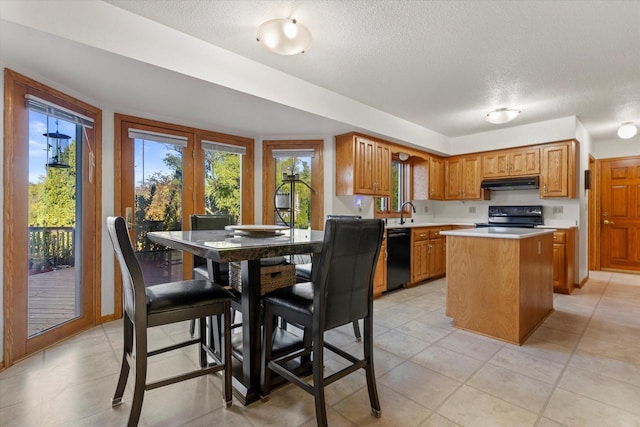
462	178
558	169
517	162
363	166
428	178
436	178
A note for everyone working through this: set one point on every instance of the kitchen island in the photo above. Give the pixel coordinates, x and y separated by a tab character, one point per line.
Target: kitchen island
499	280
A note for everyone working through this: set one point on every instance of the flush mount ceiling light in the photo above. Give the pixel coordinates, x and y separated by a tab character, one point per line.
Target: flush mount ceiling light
403	156
502	115
627	130
284	36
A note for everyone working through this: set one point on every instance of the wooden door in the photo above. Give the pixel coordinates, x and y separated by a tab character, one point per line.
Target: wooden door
380	277
51	271
620	214
420	261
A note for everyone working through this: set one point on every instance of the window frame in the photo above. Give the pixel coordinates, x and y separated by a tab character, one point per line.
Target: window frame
317	178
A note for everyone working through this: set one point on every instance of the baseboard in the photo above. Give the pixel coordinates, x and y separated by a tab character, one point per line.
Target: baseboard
109	318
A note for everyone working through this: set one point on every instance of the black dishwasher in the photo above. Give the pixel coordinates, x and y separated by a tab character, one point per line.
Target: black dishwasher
398	257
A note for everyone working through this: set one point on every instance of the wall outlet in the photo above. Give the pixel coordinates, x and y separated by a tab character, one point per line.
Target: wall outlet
558	209
472	209
426	209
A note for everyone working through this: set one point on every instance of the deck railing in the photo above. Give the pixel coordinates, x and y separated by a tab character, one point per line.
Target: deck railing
51	247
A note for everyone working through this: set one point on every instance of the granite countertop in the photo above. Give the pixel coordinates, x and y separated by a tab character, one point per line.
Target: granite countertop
416	224
499	232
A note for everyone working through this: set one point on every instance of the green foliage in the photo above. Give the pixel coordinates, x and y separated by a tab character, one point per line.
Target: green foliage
302	204
222	183
52	200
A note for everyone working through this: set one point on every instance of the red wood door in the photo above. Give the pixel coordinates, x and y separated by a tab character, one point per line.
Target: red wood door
620	214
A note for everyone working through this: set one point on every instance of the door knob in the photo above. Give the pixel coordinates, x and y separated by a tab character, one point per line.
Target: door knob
607	222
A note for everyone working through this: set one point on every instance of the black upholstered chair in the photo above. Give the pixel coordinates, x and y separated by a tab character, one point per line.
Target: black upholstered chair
341	293
161	304
304	273
203	268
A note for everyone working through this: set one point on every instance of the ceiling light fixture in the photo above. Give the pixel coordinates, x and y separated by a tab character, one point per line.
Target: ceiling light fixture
502	115
627	130
284	36
403	156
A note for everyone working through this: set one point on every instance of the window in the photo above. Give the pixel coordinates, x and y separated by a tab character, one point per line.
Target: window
389	206
222	179
297	165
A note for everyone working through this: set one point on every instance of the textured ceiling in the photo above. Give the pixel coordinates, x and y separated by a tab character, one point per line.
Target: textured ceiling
444	64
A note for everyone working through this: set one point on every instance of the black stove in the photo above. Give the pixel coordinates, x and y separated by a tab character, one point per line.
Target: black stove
514	216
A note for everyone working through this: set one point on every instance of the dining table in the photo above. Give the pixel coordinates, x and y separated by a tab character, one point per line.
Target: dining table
248	249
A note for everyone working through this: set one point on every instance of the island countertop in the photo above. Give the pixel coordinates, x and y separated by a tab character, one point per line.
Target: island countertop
499	232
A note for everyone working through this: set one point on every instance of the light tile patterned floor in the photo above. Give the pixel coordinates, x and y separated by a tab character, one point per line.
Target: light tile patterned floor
581	368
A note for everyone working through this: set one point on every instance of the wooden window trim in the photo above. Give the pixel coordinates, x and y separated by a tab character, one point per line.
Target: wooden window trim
317	179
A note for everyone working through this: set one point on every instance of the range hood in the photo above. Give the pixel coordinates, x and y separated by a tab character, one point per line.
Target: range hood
521	183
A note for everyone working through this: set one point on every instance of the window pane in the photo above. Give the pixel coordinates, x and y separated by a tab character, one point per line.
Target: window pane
222	183
158	207
301	207
54	264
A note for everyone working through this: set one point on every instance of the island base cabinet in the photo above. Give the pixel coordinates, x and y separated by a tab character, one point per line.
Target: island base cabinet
500	288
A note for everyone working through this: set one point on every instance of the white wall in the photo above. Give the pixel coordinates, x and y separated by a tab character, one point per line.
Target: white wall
616	148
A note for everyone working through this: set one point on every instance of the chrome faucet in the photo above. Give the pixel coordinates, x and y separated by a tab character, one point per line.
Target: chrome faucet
402	211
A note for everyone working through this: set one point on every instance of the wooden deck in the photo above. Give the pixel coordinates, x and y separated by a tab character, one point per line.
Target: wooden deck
52	295
52	299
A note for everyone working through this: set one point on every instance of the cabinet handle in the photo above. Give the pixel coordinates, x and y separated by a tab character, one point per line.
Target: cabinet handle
422	234
430	247
545	189
607	222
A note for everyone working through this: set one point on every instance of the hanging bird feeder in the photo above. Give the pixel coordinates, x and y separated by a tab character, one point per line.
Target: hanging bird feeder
57	148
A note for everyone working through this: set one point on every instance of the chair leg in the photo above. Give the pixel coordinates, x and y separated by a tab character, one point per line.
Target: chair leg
124	369
203	341
370	373
356	331
141	376
265	356
225	350
192	328
318	380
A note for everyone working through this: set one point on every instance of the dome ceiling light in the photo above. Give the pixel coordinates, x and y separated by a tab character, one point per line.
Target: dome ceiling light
501	115
627	130
284	36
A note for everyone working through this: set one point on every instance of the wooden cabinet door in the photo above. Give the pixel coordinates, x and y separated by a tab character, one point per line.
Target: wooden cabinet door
436	257
471	178
382	170
364	166
495	165
554	171
380	277
524	162
419	261
436	178
453	171
559	267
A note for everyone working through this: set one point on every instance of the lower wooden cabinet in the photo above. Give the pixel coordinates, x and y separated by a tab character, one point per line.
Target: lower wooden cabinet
380	277
564	244
428	258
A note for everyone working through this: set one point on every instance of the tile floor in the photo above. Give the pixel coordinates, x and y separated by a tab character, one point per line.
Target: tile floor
580	368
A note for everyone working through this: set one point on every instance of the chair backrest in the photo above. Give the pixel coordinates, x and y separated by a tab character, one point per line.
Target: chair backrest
133	291
208	222
344	270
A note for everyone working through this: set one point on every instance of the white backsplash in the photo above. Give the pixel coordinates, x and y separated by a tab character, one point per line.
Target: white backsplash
567	211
